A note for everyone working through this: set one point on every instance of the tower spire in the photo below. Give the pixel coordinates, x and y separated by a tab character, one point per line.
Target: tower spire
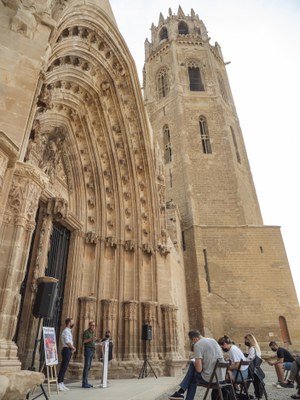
180	13
161	20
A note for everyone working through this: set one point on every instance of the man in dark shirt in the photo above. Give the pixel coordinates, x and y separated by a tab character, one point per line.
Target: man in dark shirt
89	339
283	362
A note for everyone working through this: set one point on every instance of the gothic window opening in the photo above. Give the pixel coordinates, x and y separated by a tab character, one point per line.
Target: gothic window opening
196	84
238	157
206	145
170	178
163	83
222	88
207	277
163	34
167	144
183	28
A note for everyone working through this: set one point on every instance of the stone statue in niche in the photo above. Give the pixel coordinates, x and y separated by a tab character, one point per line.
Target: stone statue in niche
52	152
34	149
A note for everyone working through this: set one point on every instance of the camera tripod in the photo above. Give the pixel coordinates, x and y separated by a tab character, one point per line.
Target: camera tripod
146	367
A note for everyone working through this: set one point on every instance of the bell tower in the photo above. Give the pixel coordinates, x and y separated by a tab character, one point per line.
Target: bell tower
208	177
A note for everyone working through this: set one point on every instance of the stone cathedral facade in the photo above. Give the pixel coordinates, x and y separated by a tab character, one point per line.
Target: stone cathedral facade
142	223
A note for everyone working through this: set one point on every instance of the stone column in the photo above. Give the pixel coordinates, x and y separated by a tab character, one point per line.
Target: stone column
169	316
109	316
8	157
130	330
87	312
15	238
150	318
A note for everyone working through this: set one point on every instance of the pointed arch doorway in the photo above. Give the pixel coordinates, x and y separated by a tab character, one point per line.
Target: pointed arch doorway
55	265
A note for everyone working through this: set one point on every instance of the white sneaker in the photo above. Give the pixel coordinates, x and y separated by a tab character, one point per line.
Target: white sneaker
65	387
61	387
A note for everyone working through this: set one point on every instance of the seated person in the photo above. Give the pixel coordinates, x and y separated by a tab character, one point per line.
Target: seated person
294	375
235	355
206	353
284	361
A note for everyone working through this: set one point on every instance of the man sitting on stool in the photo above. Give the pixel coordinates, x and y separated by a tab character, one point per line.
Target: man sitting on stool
283	362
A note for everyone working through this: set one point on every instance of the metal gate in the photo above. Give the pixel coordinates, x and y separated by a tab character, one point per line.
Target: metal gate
57	263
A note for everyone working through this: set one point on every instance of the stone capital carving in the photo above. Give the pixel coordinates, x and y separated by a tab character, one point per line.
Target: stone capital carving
91	237
147	248
130	310
109	309
25	192
129	245
163	249
58	207
150	310
110	241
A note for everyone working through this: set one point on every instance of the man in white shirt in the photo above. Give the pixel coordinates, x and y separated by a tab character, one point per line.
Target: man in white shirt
206	352
67	350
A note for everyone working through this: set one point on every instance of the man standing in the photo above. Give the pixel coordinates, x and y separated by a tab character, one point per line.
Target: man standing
108	338
67	350
283	362
206	352
89	339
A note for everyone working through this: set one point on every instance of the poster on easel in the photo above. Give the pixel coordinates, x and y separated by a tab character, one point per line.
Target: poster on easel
51	357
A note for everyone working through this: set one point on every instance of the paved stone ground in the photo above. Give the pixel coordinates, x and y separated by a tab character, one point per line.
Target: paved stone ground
273	392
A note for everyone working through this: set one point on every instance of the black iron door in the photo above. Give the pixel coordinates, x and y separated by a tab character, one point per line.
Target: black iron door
57	263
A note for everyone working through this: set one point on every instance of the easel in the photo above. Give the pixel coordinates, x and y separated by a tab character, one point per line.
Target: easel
144	370
32	367
51	377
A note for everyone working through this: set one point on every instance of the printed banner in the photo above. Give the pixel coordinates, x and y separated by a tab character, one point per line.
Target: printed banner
50	346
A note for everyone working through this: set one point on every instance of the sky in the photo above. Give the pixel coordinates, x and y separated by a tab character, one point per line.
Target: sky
261	39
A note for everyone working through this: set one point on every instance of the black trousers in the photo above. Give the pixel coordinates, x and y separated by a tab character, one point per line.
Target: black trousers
66	357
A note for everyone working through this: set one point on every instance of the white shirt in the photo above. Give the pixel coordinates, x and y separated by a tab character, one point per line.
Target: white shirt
235	355
252	353
66	337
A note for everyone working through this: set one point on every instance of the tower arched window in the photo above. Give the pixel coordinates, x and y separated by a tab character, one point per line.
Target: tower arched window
196	84
163	83
163	34
183	28
222	88
206	145
167	144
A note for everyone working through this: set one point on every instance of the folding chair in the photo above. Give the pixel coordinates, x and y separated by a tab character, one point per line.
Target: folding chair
245	383
214	383
239	379
254	378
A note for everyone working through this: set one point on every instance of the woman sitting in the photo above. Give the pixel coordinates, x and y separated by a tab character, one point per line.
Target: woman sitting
255	356
235	355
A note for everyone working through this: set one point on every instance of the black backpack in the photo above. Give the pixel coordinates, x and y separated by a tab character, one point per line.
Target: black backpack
226	392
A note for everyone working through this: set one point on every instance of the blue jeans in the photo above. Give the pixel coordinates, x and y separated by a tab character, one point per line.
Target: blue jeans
66	357
88	357
244	374
287	365
190	381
